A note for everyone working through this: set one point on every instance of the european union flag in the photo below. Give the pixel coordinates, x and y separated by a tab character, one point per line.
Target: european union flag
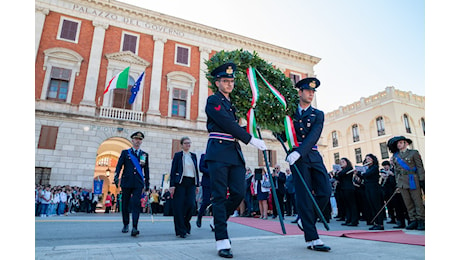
135	88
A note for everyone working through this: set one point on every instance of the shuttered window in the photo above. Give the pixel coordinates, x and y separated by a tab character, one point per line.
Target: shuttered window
48	137
69	29
129	43
176	147
182	55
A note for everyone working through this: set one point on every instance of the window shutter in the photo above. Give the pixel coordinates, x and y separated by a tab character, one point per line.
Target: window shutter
69	30
129	43
175	147
48	137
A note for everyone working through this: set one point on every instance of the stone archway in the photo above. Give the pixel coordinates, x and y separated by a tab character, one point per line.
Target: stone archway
106	161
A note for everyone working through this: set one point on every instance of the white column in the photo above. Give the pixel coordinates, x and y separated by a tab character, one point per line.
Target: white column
203	87
40	15
155	84
88	104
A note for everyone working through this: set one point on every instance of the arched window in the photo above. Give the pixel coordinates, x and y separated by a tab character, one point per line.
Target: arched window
380	126
355	131
335	139
406	123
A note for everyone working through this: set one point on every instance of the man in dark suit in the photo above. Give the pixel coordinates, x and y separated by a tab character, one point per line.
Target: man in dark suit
184	181
135	178
279	180
308	124
224	156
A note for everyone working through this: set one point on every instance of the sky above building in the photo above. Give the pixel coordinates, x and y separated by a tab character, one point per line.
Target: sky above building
364	46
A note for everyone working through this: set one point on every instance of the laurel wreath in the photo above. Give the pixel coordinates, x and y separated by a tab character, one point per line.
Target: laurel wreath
269	112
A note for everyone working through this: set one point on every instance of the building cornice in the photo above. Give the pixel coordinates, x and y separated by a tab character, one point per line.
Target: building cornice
389	95
180	26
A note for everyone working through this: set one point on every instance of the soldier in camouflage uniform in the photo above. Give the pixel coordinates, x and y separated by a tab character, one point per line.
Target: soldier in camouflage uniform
410	179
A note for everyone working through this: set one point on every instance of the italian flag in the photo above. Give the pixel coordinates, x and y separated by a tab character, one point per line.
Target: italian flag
119	81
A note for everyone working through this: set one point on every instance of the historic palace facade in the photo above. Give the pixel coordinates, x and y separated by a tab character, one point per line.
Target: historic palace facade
365	126
81	44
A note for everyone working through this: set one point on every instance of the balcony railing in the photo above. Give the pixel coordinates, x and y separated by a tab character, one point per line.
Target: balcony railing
121	114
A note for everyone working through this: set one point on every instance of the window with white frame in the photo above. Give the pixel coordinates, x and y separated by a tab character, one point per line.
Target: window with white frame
335	139
69	29
130	42
62	66
380	126
180	87
355	131
294	77
182	56
406	123
59	84
179	103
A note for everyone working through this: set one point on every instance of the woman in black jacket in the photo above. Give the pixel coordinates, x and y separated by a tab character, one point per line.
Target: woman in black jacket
373	190
345	177
184	183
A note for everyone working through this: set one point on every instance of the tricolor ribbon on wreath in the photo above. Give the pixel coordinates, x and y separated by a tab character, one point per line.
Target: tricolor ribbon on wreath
252	125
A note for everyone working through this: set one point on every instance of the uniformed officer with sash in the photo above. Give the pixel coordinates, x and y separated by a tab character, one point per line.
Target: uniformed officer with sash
410	179
134	179
224	157
308	123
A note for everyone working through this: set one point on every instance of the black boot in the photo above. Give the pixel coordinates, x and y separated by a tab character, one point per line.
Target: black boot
412	225
400	224
198	220
420	224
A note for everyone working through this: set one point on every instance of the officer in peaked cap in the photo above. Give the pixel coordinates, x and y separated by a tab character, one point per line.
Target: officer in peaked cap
138	135
226	70
133	164
226	164
308	83
308	123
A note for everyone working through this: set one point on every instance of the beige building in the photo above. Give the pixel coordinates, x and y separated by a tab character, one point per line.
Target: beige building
365	126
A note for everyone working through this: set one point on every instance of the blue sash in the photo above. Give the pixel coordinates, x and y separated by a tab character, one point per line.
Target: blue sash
136	164
406	167
404	164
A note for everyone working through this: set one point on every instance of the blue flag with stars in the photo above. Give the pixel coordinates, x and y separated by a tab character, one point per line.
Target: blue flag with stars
135	88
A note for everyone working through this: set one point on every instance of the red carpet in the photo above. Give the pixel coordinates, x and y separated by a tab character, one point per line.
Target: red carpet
393	236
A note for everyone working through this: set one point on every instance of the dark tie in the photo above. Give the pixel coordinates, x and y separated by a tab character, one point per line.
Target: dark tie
304	112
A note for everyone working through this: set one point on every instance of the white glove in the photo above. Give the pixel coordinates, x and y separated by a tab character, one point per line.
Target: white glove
292	157
258	143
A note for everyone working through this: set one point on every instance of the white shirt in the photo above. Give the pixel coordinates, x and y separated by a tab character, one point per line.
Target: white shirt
189	166
63	196
56	199
302	109
46	195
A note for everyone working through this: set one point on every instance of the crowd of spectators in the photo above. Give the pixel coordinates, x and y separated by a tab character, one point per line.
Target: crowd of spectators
62	200
348	202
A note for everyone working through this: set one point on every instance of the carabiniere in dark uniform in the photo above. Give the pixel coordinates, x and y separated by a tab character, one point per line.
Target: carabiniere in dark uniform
308	124
224	157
